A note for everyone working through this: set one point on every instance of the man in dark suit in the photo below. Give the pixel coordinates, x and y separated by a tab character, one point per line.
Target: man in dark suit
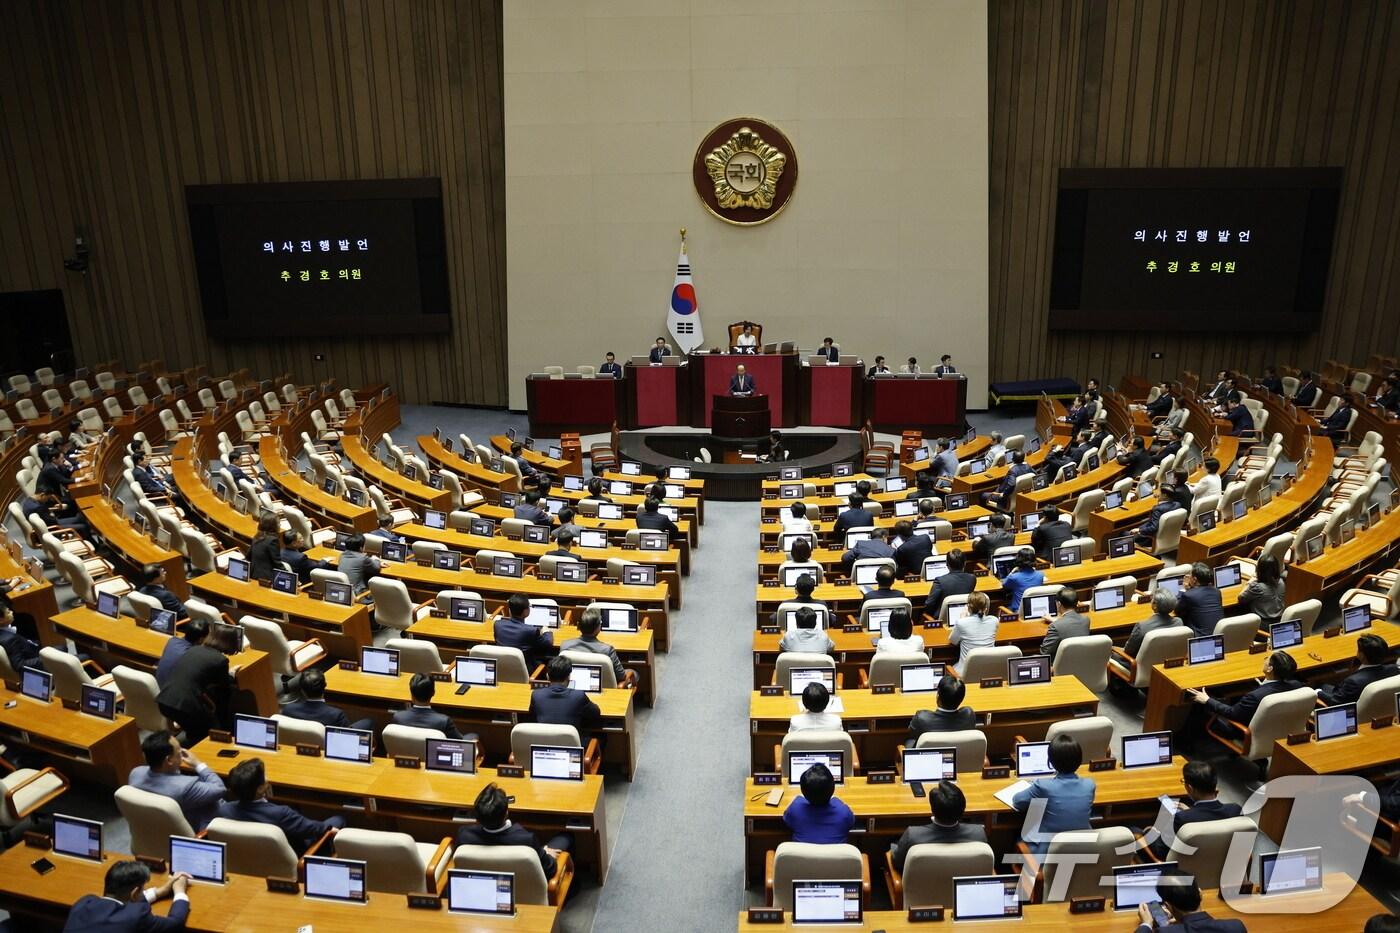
125	904
1373	664
659	350
947	803
562	705
313	705
293	554
1199	604
1050	533
494	828
19	651
530	509
196	696
1165	503
1002	497
945	366
950	716
1270	381
1222	388
830	351
874	547
1169	449
1280	671
1204	805
563	547
884	586
153	585
54	478
956	582
1161	406
611	367
511	631
1181	896
1136	459
913	549
650	518
997	536
1241	421
247	783
1308	390
1336	424
741	383
420	713
879	367
855	516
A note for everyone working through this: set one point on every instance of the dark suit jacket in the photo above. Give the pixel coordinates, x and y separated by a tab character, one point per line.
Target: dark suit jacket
52	479
909	556
420	717
611	369
20	651
1241	419
317	711
1200	608
512	835
300	831
832	354
655	521
168	600
202	671
562	705
96	914
1165	451
532	513
950	584
1154	519
882	594
1242	710
1138	462
852	518
742	383
932	832
1199	922
1350	688
301	564
657	353
512	633
263	556
1307	394
1162	406
866	550
940	720
1048	536
1337	421
987	544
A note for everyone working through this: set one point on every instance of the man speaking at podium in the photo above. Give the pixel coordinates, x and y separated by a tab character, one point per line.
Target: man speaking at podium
741	383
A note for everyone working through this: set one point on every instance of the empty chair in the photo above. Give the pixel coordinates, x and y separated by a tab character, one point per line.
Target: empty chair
1239	631
969	746
987	662
153	819
285	656
929	870
53	399
1085	657
1093	733
511	666
255	848
138	690
23	793
293	731
393	607
1378	699
21	384
416	656
1305	612
408	741
70	675
1090	854
395	863
531	885
810	740
788	660
1087	503
885	666
807	861
228	390
90	421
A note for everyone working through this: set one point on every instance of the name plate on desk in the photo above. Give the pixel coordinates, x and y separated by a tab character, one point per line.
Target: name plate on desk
1086	905
349	665
764	778
1173	662
424	902
933	624
283	885
880	777
925	915
310	751
510	771
765	915
1382	722
1258	647
610	581
437	613
38	841
987	683
1299	738
996	772
406	761
1103	764
156	865
440	676
1332	633
768	630
855	628
881	689
771	691
845	583
220	736
772	584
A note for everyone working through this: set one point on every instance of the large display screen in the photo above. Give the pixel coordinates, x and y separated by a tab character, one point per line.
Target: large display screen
1192	249
321	258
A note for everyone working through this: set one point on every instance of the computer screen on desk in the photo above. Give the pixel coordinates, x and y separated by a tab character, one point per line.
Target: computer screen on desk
1038	607
800	677
1334	722
395	551
609	511
380	661
255	732
1135	885
76	837
929	765
799	761
479	672
1285	634
620	619
557	763
163	621
201	859
1205	649
335	879
592	538
36	684
827	902
465	609
1120	546
986	897
1147	749
1289	871
1033	759
355	745
481	892
1356	618
108	604
284	581
457	756
1228	575
587	677
920	678
1033	669
865	574
98	702
1108	598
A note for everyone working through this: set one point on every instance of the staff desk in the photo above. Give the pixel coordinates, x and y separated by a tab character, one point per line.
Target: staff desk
34	596
426	582
1318	658
690	531
485	479
691	508
426	804
1102	477
884	811
847	597
694	487
989	479
135	549
42	902
636	649
823	483
342	630
333	510
1280	514
912	468
491	712
771	528
1371	752
419	494
879	723
1337	567
540	461
1351	913
671	564
99	750
1109	523
122	641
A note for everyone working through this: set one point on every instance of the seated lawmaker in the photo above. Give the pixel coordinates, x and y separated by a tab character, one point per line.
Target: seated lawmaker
494	827
313	705
651	518
814	715
1163	605
248	788
561	704
125	903
1001	498
950	715
818	815
1068	798
1373	663
659	351
1199	603
197	795
855	516
911	550
807	637
1204	804
294	555
947	804
589	625
1052	532
1336	424
741	383
1280	676
1022	575
1239	416
19	651
420	713
956	582
1181	896
511	631
875	547
884	587
899	635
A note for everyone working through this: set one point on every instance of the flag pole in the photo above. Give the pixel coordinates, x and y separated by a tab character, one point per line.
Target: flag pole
682	239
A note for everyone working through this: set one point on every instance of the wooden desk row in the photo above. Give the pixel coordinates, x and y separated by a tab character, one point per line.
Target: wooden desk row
1109	523
770	530
615	527
315	502
359	451
1337	567
99	750
481	478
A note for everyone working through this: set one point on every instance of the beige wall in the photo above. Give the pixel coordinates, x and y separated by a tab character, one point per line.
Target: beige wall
884	243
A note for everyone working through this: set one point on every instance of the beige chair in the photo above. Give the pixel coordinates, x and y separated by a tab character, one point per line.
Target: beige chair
870	605
1091	855
811	566
70	675
1239	631
823	613
417	656
1157	646
592	659
1169	532
929	870
1200	849
531	886
1305	612
393	607
987	662
285	657
1378	592
818	740
969	744
259	849
525	734
407	741
1088	502
808	861
1277	717
395	863
23	793
1377	699
885	667
139	690
1085	657
152	820
293	731
511	667
549	563
1093	733
788	660
485	559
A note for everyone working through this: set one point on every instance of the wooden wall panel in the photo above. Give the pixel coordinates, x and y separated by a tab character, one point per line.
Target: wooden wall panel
107	110
1184	84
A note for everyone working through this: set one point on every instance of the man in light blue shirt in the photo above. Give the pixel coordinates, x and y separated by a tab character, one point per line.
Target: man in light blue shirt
197	794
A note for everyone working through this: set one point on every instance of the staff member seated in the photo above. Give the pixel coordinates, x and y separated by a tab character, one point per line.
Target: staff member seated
879	368
560	704
829	351
807	637
741	383
247	783
819	816
947	804
945	366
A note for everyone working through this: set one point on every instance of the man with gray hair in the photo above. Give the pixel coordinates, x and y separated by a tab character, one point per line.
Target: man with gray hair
1163	605
996	449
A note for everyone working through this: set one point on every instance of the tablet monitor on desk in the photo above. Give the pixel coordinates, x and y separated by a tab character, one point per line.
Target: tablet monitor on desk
1289	871
611	511
895	483
1205	649
571	571
1228	575
1170	584
555	453
1033	759
284	581
935	567
1110	597
255	732
620	620
544	613
587	677
573	483
435	519
1002	564
674	491
163	621
553	506
986	897
1038	607
681	474
482	527
444	559
1207	519
920	678
790	618
355	745
1334	722
335	879
456	756
98	702
481	892
827	903
1112	499
465	609
1147	749
653	541
977	466
479	672
788	539
77	838
1237	509
792	574
1313	547
337	594
800	677
108	604
1030	521
790	473
201	859
1032	669
619	487
1068	556
639	575
1356	618
556	763
1135	885
929	765
854	537
843	490
503	566
978	529
877	620
36	684
395	551
355	496
592	538
1285	634
631	469
799	761
866	573
906	508
238	569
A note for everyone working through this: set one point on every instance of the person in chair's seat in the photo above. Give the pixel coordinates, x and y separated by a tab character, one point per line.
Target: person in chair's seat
313	705
1204	803
1179	893
560	704
197	794
950	715
248	786
125	903
421	714
494	828
1280	676
1373	663
947	804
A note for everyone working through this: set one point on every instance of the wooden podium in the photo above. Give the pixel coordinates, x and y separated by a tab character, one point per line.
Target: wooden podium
740	416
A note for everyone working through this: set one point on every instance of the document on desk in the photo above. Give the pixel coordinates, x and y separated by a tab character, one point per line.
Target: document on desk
1007	794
